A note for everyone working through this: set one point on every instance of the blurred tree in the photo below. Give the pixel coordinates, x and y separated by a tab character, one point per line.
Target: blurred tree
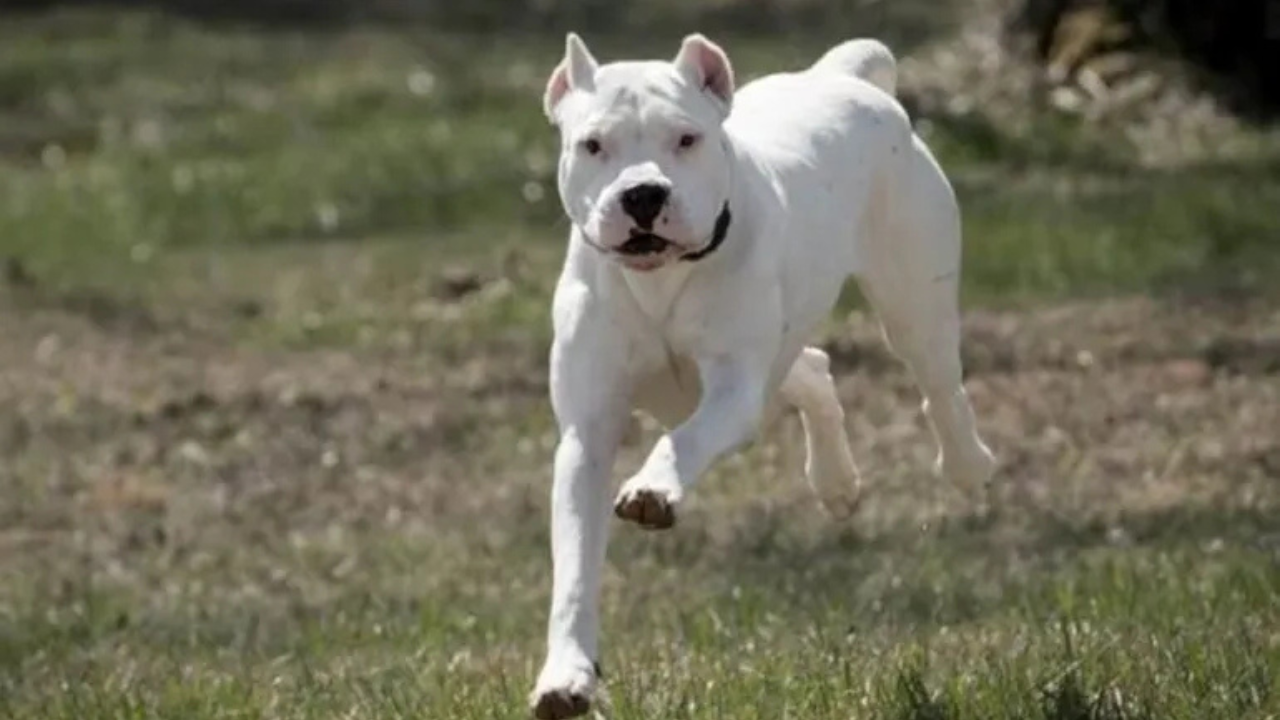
1237	42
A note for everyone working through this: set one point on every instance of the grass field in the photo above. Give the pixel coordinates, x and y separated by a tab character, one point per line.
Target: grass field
276	439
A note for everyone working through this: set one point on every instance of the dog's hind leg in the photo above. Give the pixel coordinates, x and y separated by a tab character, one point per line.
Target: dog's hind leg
911	275
922	325
828	465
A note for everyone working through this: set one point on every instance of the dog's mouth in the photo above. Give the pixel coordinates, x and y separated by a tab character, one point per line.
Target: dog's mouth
644	244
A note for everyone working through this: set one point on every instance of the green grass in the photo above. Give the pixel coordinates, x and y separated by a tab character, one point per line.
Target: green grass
127	139
901	627
287	472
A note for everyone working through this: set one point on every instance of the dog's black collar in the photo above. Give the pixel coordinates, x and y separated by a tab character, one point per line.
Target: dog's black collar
717	237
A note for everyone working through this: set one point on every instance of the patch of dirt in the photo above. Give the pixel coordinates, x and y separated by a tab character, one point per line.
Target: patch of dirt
1097	410
120	440
170	444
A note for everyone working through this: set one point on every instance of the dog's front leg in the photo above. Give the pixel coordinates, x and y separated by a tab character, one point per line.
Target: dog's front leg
589	397
733	399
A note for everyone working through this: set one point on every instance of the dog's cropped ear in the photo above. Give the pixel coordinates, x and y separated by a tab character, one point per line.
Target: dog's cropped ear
577	71
707	66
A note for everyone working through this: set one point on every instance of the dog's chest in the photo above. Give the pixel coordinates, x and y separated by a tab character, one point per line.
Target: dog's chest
665	319
666	316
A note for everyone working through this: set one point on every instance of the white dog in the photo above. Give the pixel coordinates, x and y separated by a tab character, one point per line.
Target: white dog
712	233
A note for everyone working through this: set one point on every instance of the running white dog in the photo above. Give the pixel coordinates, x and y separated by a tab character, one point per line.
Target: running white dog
712	233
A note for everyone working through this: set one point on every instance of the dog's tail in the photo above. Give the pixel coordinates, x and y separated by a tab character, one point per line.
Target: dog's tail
865	58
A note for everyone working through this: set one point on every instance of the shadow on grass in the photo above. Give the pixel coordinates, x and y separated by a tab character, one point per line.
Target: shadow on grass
959	571
1068	698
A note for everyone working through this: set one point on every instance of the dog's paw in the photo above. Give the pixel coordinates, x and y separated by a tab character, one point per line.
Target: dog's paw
564	690
837	485
970	470
842	506
649	504
559	705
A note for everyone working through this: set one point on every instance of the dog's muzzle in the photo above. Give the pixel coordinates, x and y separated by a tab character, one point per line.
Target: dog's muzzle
645	202
644	244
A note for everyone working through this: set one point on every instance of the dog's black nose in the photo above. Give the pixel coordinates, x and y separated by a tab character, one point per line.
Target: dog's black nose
644	202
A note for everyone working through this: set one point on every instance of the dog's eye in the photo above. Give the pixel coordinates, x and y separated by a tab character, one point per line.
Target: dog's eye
688	140
592	146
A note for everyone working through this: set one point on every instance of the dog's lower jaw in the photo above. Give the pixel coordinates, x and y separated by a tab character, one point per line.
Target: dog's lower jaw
644	264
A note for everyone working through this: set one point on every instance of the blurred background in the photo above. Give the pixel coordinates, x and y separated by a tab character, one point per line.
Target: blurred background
273	331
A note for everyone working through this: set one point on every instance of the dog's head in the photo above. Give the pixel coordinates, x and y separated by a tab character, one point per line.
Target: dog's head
644	168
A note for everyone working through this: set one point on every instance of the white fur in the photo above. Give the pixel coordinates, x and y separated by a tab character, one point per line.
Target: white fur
825	180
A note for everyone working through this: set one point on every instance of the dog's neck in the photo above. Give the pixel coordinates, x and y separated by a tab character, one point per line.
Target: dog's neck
656	292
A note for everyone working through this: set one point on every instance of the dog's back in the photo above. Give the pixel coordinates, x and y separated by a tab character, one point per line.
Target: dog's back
847	89
830	136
